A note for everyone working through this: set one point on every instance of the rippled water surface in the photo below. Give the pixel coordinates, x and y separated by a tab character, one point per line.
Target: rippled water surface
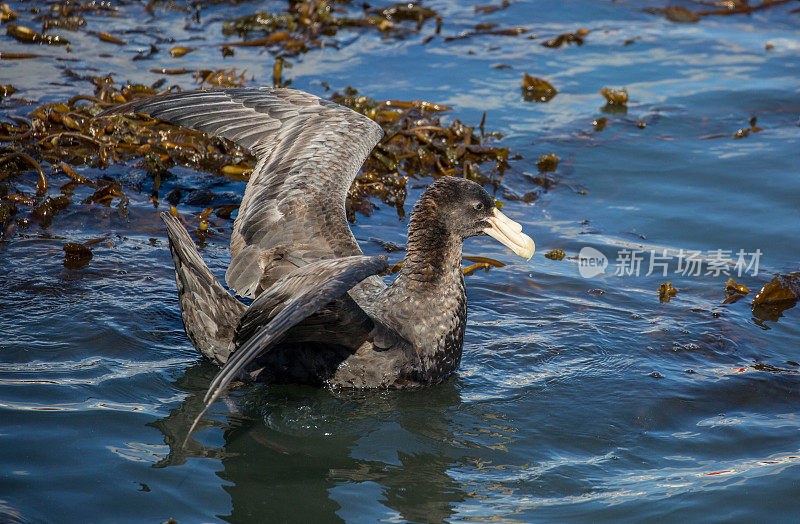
577	397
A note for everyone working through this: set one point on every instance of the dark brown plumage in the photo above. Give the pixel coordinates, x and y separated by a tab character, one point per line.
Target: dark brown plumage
321	314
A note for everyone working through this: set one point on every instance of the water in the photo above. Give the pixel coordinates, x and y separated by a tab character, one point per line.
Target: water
570	403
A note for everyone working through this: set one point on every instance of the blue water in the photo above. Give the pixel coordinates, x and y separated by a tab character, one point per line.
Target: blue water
578	398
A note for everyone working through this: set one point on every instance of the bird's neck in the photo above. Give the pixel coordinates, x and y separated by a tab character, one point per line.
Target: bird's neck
427	303
433	256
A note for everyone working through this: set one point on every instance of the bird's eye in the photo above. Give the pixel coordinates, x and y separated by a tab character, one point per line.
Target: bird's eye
479	206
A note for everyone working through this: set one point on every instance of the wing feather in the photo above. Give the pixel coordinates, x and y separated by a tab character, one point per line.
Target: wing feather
291	300
309	152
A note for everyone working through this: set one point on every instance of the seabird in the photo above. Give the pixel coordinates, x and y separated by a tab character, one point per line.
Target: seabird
320	313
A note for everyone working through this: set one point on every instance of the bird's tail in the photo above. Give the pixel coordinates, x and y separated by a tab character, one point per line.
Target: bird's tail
210	314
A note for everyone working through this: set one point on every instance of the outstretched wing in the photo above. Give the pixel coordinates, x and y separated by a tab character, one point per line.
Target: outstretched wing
309	151
285	304
209	312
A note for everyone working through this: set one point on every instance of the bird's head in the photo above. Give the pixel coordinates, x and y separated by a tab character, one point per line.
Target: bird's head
465	209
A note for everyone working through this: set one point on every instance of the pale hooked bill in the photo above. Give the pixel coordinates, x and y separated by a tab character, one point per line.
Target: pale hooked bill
509	233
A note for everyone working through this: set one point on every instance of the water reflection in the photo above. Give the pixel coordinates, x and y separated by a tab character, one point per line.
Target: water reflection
292	452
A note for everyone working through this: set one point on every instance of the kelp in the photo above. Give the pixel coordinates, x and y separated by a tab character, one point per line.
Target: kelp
27	35
536	89
179	51
599	123
76	255
479	262
555	254
777	295
743	132
304	25
7	14
487	29
615	97
107	37
311	24
408	11
547	163
57	137
491	8
66	15
544	178
737	7
259	22
666	292
567	38
734	291
417	144
680	14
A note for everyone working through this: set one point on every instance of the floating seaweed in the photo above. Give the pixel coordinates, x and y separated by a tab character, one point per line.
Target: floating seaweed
6	13
615	97
19	56
777	295
417	144
743	132
259	22
56	137
734	291
221	77
64	15
567	38
7	90
666	292
76	255
277	72
61	135
736	7
306	24
107	37
409	11
724	7
599	123
469	270
680	15
62	19
491	8
314	24
27	35
536	89
547	163
179	51
555	254
484	260
484	263
487	29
